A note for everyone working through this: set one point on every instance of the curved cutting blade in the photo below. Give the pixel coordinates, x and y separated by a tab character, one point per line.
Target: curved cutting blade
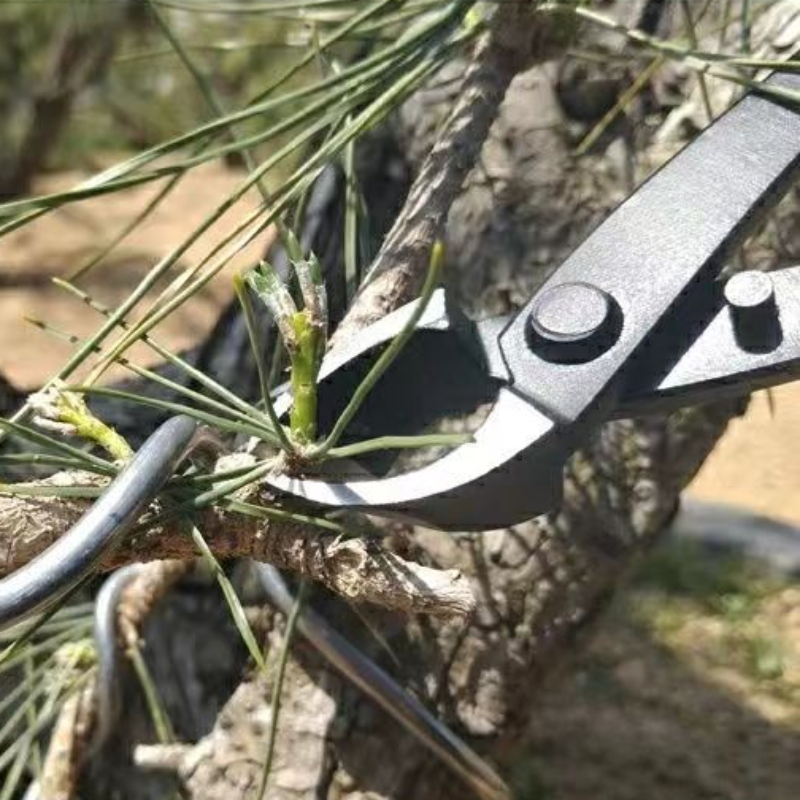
646	259
509	474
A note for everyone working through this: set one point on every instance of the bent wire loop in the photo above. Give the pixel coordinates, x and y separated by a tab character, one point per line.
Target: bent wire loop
39	585
357	668
42	582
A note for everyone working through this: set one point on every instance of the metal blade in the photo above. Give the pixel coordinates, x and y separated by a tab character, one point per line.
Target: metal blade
671	235
729	356
510	473
503	477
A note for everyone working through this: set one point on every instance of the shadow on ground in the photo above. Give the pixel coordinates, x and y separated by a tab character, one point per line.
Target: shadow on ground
690	691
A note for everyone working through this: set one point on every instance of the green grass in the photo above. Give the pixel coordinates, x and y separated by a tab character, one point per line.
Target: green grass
720	607
719	584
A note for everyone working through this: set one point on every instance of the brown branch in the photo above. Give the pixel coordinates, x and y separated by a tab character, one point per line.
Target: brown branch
69	744
361	570
517	38
144	592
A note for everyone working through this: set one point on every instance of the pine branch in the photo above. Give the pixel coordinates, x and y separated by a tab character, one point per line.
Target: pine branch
517	39
361	570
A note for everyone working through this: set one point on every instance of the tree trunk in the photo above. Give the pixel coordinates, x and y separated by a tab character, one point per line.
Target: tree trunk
539	585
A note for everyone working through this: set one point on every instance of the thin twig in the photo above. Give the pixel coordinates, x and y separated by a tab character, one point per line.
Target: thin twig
517	38
144	592
277	688
69	744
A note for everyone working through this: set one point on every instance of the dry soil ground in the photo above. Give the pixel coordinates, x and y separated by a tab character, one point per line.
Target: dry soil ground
59	243
691	690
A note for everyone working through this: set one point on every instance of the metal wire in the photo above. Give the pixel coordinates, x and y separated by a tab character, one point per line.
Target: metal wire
367	676
106	618
357	668
42	582
38	585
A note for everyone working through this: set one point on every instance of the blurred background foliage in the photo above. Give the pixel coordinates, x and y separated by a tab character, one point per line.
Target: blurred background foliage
100	78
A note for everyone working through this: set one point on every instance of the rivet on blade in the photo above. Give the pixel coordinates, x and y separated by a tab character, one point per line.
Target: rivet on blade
750	295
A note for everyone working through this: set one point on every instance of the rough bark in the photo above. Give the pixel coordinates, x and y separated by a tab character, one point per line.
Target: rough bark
360	569
539	585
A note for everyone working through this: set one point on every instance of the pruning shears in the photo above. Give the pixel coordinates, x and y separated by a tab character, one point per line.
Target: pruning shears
636	321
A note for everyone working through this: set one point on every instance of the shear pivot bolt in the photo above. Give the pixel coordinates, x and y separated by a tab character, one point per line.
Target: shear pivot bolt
573	322
751	298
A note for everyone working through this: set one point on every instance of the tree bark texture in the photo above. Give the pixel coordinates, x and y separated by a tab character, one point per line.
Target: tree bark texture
540	585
